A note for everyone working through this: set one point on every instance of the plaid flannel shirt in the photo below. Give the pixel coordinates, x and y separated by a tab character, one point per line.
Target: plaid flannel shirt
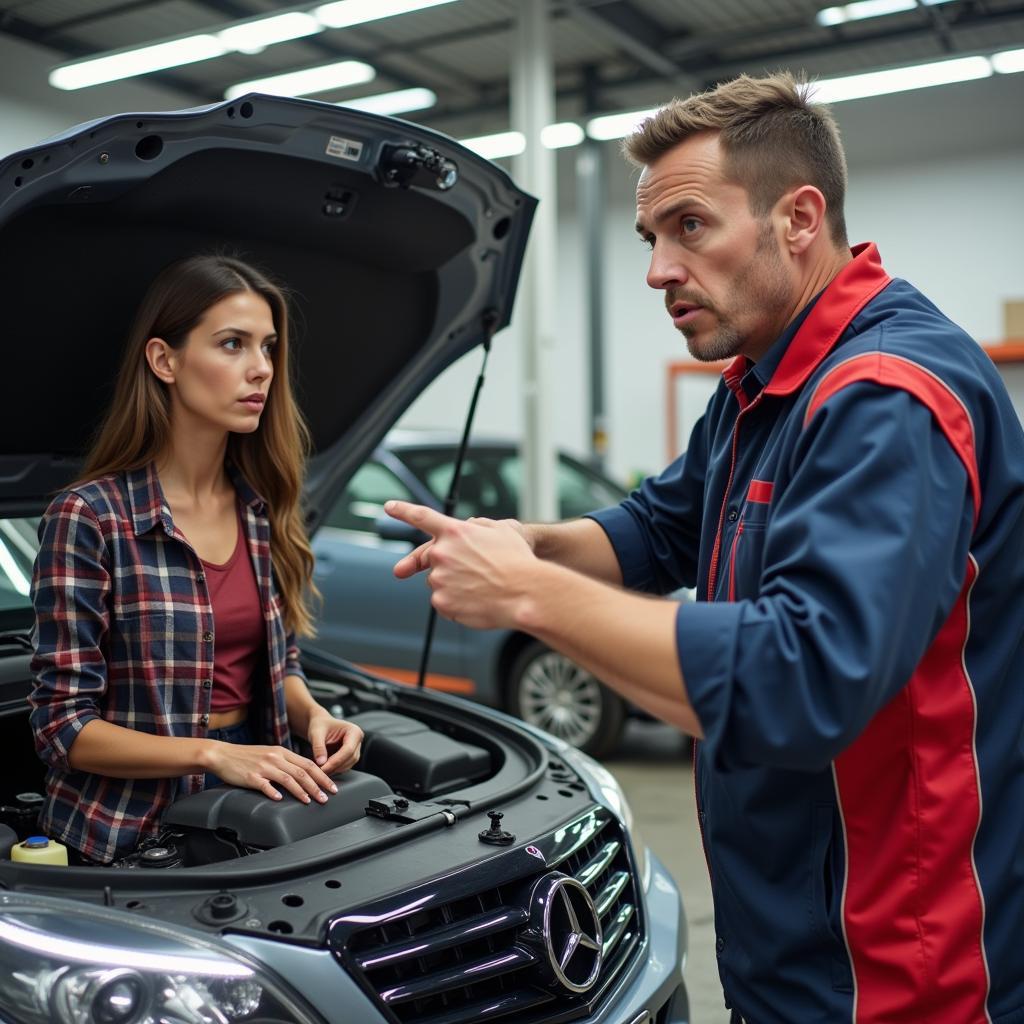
125	632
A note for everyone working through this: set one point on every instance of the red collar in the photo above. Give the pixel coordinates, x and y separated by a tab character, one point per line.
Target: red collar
846	295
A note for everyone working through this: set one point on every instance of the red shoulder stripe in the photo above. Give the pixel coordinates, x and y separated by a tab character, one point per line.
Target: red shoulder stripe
898	372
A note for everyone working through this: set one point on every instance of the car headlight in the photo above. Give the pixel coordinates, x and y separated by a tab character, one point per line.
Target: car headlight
605	788
62	963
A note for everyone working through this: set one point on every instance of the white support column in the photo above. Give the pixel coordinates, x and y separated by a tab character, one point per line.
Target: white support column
533	104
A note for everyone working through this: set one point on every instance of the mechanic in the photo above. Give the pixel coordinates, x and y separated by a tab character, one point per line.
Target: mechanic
171	579
850	509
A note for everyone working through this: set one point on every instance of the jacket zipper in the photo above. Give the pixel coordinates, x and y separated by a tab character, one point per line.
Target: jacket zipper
713	568
732	561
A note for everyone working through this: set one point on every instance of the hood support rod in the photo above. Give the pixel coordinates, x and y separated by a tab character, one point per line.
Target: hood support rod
490	323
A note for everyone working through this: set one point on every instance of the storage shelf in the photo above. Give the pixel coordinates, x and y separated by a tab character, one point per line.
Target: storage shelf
1006	351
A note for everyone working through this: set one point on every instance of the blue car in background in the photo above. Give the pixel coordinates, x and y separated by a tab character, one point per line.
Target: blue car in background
377	621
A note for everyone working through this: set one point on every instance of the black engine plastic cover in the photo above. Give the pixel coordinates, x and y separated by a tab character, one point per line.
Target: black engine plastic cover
415	759
256	820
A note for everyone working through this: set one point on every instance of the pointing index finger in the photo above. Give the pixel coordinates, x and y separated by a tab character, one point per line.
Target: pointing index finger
426	519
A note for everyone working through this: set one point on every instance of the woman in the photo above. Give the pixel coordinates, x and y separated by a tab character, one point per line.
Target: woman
171	580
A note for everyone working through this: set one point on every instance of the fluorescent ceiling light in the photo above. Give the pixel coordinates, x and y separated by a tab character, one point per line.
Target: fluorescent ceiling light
918	76
558	136
399	102
248	36
1008	62
493	147
868	9
310	80
346	13
253	36
141	61
617	126
863	9
849	87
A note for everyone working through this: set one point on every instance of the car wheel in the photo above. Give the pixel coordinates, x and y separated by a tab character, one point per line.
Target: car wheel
549	690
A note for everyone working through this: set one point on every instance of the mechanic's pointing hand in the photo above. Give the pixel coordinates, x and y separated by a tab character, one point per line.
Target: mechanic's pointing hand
479	569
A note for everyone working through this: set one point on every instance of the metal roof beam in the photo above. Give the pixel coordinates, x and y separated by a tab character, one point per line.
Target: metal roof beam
939	25
635	34
69	48
129	7
711	67
703	63
233	11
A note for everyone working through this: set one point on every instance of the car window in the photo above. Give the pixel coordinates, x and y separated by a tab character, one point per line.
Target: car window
363	499
580	490
482	489
491	480
18	546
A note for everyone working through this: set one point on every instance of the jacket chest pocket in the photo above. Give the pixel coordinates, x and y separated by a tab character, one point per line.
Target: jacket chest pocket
747	549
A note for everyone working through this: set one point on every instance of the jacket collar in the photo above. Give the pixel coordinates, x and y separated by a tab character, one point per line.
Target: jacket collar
149	506
844	297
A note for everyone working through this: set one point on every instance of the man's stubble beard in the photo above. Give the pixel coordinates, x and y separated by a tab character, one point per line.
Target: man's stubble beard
764	281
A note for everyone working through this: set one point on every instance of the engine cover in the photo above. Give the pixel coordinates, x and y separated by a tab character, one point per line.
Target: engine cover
255	820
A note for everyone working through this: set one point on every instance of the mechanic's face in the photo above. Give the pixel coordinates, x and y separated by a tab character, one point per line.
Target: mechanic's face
727	287
222	373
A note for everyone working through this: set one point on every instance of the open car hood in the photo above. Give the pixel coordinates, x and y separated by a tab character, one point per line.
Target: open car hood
395	269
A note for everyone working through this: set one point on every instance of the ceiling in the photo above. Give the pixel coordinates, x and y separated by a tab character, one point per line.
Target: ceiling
609	55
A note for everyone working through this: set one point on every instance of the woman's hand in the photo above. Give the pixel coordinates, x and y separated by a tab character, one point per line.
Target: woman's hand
325	731
261	767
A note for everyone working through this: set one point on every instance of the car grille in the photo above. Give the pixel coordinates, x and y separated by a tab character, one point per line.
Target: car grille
463	961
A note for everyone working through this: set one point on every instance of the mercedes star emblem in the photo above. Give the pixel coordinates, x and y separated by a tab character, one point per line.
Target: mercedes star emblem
570	931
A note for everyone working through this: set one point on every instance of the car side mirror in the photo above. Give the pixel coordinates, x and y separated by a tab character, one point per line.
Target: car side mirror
394	529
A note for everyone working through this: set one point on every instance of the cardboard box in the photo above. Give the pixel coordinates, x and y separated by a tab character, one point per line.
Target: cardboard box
1013	320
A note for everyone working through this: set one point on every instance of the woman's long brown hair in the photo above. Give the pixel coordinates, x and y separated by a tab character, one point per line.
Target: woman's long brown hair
137	427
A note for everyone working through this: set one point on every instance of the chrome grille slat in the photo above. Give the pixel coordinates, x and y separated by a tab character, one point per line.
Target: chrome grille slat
464	974
617	927
593	868
606	898
444	938
517	1003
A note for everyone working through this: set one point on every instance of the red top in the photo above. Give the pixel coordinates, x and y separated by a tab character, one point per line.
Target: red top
239	629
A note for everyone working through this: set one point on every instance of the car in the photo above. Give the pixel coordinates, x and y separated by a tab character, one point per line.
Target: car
372	618
472	867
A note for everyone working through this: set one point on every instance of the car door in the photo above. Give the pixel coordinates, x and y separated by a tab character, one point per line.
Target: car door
367	615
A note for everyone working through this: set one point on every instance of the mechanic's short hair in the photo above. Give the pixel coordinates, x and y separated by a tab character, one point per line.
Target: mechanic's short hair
772	135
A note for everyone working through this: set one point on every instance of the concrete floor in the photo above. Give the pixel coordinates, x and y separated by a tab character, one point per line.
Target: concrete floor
654	767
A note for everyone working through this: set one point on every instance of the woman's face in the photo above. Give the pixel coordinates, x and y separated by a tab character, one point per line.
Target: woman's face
222	374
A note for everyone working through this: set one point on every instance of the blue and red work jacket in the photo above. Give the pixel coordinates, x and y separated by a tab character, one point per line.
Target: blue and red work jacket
851	512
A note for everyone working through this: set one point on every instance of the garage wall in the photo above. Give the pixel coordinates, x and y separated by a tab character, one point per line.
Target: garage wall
936	180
